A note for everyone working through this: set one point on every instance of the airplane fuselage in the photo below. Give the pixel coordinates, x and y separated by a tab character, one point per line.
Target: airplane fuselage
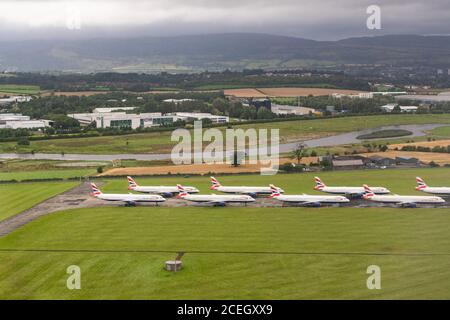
218	198
436	190
407	199
312	199
246	190
130	198
353	190
162	189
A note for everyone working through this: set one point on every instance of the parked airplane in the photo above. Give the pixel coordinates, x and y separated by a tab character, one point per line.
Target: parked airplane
403	201
130	199
349	191
422	186
166	191
305	199
216	200
251	191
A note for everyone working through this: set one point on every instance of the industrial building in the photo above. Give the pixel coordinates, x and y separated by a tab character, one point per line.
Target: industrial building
192	116
14	99
18	121
142	120
423	98
292	110
391	106
108	110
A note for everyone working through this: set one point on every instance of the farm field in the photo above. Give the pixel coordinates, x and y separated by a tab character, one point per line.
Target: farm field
18	89
17	197
285	92
239	253
159	142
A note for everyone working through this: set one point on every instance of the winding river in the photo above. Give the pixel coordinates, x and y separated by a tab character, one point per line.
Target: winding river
335	140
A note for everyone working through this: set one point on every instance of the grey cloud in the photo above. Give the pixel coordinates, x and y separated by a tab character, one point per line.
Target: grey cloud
326	19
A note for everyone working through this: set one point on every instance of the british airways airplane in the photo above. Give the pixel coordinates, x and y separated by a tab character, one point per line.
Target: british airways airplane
213	199
130	199
422	186
251	191
403	201
307	200
166	191
349	191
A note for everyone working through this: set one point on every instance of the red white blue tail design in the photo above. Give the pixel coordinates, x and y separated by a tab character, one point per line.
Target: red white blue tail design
181	191
95	190
214	184
420	184
368	193
319	184
275	191
131	183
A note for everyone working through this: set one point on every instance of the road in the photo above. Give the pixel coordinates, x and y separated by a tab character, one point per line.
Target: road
340	139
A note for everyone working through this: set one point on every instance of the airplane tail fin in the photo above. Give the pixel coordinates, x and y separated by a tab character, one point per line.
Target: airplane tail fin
95	190
319	184
181	191
214	184
275	191
420	184
131	183
368	193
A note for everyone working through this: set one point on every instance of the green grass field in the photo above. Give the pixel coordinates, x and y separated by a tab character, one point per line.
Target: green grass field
19	89
17	197
441	132
237	253
160	141
46	174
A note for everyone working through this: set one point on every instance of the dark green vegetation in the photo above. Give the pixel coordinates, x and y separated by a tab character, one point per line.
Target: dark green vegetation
384	134
15	198
220	52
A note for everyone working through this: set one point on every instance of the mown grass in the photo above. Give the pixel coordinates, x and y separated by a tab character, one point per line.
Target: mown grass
18	197
442	132
160	142
46	174
231	253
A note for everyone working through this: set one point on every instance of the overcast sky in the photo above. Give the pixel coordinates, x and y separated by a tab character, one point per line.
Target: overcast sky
315	19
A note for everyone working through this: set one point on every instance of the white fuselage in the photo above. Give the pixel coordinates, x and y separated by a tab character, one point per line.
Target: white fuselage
130	198
312	199
246	190
407	199
162	189
436	190
213	198
353	190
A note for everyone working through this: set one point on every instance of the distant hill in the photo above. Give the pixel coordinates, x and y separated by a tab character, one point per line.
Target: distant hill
220	51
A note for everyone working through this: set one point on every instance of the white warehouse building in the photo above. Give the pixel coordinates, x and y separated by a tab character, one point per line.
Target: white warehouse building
390	107
18	121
